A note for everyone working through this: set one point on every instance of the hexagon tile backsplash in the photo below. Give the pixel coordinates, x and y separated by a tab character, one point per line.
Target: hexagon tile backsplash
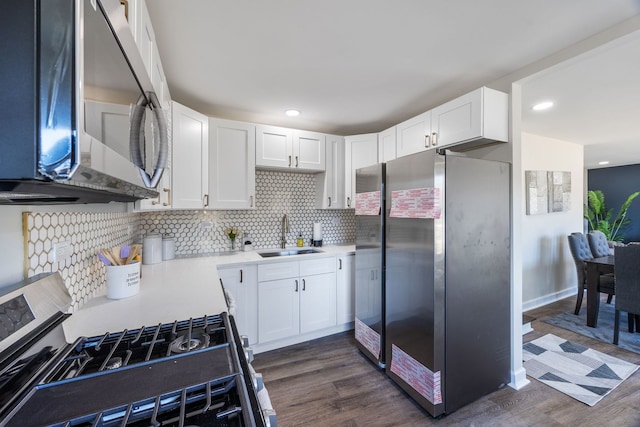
277	193
195	231
86	232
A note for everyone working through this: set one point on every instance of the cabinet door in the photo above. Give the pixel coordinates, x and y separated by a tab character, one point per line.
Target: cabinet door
345	289
274	147
330	184
232	164
278	309
190	131
413	135
360	151
109	122
308	151
317	302
482	113
242	283
163	201
387	145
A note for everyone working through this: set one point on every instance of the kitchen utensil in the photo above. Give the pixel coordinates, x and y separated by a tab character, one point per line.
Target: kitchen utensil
115	254
124	251
133	253
103	258
106	253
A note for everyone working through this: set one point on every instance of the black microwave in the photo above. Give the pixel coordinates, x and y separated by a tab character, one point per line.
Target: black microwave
80	120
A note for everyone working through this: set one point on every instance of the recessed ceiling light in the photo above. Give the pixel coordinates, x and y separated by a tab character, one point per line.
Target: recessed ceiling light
542	106
605	162
292	113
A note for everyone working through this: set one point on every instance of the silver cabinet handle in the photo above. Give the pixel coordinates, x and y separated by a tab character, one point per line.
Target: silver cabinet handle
348	202
296	161
168	191
240	275
250	201
373	275
289	161
329	201
339	263
205	200
304	285
434	138
296	286
426	141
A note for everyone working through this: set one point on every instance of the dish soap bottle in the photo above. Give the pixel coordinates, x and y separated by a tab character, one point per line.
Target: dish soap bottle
300	241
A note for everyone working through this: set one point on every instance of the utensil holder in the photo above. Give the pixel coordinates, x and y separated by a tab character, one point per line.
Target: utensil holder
123	280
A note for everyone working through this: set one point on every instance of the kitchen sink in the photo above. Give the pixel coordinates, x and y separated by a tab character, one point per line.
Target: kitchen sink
288	252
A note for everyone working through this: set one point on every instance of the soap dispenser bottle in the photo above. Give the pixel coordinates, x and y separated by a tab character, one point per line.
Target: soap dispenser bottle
300	241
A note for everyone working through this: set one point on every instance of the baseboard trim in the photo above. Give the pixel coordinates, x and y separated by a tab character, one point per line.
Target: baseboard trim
297	339
526	328
548	299
519	379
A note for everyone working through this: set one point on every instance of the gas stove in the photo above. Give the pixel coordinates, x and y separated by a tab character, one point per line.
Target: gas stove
185	373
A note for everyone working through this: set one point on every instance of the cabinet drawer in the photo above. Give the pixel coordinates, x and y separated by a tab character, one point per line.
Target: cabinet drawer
277	270
317	266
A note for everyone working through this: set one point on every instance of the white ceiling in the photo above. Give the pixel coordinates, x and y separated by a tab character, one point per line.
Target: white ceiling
359	66
596	102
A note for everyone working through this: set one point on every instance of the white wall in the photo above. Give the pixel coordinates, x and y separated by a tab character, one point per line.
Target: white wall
11	244
548	271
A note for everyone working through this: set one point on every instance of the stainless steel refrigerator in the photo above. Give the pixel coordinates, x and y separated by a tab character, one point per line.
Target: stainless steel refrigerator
447	331
370	254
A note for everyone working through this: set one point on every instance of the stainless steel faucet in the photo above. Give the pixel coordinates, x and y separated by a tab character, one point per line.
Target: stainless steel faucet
285	230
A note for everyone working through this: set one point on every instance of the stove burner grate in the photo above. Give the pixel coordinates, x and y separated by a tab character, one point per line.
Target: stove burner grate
184	343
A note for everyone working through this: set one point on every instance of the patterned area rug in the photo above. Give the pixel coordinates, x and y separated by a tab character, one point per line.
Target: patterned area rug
604	331
580	372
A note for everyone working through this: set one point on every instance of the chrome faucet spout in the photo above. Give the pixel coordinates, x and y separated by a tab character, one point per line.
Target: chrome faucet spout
285	230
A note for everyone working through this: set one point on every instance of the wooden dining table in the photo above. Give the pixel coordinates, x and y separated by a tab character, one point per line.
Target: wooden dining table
596	267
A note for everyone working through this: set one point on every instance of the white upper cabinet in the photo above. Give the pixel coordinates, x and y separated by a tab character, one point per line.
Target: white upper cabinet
287	149
330	184
387	145
189	158
274	147
413	135
360	151
481	115
309	151
142	29
232	164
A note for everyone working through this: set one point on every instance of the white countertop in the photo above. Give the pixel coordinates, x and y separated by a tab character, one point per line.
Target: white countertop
171	290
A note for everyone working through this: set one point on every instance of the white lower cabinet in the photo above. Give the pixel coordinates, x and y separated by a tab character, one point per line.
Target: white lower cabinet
296	297
345	289
242	283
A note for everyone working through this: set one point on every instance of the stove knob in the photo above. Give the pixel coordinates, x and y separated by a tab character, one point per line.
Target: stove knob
258	382
245	340
248	354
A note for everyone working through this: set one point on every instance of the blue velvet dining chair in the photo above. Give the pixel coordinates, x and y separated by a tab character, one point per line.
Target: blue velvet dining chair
598	244
627	277
581	251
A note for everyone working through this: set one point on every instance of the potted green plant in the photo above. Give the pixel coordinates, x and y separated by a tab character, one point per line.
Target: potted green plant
599	216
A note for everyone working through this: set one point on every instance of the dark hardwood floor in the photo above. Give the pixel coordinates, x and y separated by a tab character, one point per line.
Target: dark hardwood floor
328	382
